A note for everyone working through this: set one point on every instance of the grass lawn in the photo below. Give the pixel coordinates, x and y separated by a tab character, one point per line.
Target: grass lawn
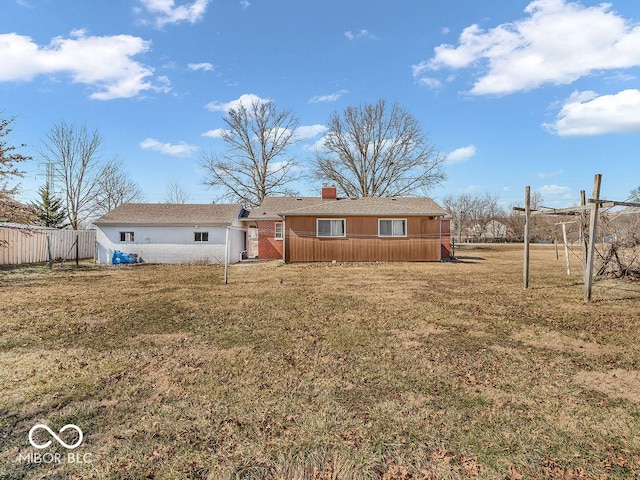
326	372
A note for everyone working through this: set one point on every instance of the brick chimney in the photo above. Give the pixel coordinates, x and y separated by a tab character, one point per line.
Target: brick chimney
329	192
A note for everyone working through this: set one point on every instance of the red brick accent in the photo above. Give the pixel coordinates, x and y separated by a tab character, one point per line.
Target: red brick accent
268	247
329	192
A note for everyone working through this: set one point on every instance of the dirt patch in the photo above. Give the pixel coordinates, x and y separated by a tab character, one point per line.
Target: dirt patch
414	337
559	342
616	383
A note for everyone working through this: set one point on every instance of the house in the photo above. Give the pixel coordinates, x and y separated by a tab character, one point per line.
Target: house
328	228
172	233
264	224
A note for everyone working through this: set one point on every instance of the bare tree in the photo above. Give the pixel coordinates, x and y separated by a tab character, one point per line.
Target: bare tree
459	208
485	208
373	151
634	196
176	193
515	219
473	213
10	209
256	164
74	154
115	188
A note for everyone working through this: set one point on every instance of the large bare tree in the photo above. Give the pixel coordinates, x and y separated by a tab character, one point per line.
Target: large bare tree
74	154
115	187
10	209
90	185
256	163
376	151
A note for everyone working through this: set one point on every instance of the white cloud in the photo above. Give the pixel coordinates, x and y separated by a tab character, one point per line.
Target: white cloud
181	149
246	100
105	63
460	155
586	113
556	42
317	146
302	133
331	97
167	12
215	133
554	192
361	34
550	174
245	4
206	67
430	82
307	132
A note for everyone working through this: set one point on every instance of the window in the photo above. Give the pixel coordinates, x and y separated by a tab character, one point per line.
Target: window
278	235
200	236
126	236
392	227
329	227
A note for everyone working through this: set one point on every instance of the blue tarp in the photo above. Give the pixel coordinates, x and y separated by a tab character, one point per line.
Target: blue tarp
121	257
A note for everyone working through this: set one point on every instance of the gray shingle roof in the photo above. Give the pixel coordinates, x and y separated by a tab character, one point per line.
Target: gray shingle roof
171	214
272	206
372	206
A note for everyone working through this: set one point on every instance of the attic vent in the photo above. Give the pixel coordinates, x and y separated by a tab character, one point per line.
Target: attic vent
298	199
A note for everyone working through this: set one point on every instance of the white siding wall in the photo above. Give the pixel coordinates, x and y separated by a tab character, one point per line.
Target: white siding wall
170	244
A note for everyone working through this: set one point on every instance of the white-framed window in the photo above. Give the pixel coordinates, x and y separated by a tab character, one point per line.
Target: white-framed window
200	236
331	227
126	236
392	227
279	232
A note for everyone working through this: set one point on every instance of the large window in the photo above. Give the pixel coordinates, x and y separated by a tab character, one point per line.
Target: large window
392	227
200	236
126	236
330	227
278	231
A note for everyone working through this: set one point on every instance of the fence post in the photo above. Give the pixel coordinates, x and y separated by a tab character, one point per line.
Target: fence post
50	257
77	250
593	223
566	248
527	212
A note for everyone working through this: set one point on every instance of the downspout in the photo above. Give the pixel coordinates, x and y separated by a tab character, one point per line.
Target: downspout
284	239
440	249
226	255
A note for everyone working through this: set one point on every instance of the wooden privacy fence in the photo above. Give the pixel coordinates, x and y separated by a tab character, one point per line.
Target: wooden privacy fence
26	244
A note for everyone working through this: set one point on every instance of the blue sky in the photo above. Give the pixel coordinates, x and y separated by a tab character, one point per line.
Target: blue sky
542	93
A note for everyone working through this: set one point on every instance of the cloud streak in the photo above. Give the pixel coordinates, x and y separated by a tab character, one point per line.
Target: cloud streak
461	155
329	98
181	149
245	100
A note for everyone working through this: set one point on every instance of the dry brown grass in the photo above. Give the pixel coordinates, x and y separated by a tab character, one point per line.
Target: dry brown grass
354	371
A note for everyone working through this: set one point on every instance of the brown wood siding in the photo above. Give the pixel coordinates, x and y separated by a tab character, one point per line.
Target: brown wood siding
362	244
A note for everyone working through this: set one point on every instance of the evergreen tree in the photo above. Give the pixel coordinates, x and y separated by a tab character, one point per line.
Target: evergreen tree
49	209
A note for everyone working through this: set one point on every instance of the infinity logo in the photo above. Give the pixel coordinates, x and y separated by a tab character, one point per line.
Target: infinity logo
57	438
